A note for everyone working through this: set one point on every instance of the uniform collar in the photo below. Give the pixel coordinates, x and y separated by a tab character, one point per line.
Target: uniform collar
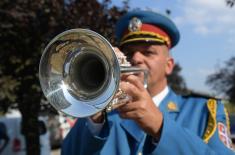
170	101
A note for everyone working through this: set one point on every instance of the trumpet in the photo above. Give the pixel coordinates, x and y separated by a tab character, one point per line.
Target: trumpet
79	73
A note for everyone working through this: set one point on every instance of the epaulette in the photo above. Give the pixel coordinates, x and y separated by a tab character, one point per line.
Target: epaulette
200	95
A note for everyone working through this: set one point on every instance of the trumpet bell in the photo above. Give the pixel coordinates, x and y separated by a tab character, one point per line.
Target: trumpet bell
79	72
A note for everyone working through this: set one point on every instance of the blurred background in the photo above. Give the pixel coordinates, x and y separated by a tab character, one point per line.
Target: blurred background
29	125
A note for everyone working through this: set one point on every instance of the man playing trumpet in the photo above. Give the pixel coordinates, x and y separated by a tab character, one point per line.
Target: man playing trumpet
155	120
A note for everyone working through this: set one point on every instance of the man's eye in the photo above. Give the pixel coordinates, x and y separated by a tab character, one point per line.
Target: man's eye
128	56
125	52
148	53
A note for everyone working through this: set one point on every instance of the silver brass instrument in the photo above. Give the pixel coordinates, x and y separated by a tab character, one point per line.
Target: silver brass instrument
79	73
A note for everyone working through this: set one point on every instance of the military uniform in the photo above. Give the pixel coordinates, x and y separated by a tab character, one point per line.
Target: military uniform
191	125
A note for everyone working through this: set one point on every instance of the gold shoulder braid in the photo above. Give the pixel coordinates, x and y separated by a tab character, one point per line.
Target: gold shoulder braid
211	126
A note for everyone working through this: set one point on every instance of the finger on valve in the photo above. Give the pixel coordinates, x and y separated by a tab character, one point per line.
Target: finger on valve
121	98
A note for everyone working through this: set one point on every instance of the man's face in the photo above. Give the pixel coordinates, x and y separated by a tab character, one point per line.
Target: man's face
154	58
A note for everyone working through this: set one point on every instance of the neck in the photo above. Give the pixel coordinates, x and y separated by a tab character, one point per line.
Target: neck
157	88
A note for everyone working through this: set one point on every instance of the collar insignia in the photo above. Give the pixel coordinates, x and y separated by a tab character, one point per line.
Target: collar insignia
134	24
171	106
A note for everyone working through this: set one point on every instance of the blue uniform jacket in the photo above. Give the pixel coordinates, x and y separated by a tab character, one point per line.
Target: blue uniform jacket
191	128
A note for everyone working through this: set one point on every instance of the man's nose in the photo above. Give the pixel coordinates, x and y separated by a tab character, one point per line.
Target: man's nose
137	58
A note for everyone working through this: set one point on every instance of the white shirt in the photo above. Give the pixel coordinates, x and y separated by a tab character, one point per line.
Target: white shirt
95	128
157	99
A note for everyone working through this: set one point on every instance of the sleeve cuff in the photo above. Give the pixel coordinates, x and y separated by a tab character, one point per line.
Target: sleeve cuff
95	128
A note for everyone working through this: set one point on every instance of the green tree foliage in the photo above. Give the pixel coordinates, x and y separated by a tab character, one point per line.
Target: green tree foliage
230	3
26	27
223	80
230	107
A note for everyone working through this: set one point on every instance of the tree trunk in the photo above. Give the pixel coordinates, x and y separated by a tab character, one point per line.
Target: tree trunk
31	133
30	127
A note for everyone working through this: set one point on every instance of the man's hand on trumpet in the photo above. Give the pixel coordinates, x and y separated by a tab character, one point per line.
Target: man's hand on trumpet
141	108
137	105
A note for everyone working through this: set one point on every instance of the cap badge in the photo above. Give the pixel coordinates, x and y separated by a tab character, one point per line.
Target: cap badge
134	24
171	106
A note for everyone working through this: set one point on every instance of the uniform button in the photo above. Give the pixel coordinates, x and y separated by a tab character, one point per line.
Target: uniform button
140	153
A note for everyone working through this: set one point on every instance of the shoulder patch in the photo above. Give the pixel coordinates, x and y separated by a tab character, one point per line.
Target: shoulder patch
224	135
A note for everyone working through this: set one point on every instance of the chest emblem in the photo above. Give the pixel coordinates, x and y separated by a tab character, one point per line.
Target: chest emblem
171	106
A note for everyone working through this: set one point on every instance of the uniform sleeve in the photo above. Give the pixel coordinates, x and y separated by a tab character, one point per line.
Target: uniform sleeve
178	140
81	141
94	128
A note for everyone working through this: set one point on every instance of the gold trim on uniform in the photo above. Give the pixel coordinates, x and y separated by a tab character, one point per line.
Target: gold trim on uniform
211	125
158	36
227	119
141	39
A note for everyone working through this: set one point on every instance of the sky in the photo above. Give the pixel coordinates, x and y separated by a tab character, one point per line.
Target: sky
207	29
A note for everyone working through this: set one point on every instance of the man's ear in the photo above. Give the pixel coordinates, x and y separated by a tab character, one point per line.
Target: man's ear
170	65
